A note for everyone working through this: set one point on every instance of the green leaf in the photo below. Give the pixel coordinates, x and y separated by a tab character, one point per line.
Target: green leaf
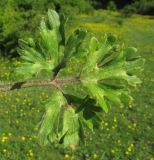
88	112
50	122
97	93
108	59
49	42
118	71
113	96
113	83
93	53
70	127
33	61
46	56
97	51
135	67
73	43
130	53
111	39
54	20
109	70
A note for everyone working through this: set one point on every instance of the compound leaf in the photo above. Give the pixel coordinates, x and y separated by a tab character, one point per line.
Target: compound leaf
93	78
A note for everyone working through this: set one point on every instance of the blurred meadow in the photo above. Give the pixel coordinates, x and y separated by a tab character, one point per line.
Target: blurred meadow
126	133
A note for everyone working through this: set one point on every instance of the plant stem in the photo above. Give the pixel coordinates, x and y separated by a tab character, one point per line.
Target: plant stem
27	84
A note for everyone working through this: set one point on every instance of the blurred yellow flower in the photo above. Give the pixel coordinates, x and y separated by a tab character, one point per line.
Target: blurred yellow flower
95	156
30	138
126	152
73	147
10	134
23	138
129	149
115	119
113	151
4	139
66	156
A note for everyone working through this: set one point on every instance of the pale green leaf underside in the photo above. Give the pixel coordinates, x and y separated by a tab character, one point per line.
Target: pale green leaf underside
50	122
70	127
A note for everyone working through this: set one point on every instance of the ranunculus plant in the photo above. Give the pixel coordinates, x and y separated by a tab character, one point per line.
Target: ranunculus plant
86	78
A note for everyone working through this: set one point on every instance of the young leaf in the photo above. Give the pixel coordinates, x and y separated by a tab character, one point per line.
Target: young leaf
46	56
54	20
105	62
70	127
130	53
50	122
98	94
32	60
49	42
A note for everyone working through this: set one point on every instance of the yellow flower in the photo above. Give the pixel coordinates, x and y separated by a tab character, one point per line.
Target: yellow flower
129	149
4	139
134	124
95	156
115	119
10	134
126	152
132	145
66	156
23	138
30	138
113	151
31	154
17	121
73	147
129	126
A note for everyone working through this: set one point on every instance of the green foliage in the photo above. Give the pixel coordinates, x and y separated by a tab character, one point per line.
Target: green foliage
20	18
139	6
106	71
112	6
144	6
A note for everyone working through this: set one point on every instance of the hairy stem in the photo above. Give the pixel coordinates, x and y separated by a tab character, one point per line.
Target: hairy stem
27	84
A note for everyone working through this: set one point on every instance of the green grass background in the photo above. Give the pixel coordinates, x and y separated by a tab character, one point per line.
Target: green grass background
126	133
